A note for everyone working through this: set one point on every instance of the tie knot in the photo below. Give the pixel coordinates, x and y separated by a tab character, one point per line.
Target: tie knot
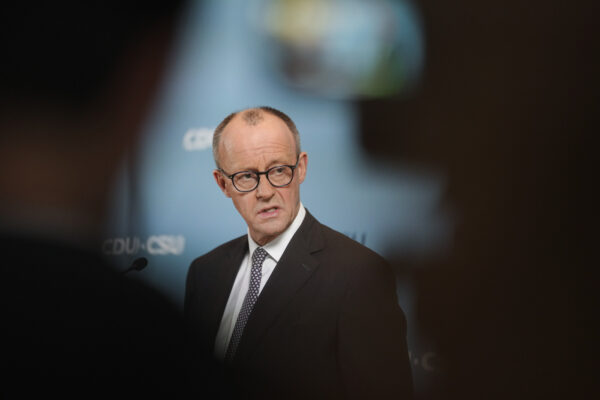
259	255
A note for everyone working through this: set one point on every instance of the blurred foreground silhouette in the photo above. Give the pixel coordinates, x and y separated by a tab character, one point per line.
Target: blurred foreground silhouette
506	107
76	85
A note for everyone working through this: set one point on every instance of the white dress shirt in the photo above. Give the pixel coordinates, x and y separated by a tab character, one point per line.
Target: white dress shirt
275	249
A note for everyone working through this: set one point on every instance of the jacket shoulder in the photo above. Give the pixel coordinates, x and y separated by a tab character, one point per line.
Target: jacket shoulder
218	252
338	242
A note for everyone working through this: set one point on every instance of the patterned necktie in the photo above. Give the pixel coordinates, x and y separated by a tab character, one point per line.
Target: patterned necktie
257	260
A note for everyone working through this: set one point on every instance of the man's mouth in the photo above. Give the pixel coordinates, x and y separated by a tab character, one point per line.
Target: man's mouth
268	212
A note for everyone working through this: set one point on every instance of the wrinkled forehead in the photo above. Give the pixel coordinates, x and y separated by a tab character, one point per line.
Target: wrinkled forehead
269	140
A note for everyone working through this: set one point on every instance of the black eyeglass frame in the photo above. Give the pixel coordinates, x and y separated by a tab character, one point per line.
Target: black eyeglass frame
258	174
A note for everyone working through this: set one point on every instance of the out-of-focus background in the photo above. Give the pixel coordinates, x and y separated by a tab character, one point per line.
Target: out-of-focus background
314	60
448	137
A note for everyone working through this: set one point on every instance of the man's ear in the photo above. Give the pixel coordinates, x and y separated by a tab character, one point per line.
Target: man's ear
220	179
302	164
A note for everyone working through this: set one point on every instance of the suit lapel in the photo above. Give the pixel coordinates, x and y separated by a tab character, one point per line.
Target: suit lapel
225	275
293	269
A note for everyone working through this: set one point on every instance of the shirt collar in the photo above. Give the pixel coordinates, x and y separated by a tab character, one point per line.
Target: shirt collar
277	246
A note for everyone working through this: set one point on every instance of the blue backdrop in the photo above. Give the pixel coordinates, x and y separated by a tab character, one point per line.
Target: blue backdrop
236	54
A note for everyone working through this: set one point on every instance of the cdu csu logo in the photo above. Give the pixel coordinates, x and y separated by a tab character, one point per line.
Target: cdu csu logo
156	245
197	139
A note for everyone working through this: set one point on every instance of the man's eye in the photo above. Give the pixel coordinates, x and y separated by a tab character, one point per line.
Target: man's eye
246	177
278	170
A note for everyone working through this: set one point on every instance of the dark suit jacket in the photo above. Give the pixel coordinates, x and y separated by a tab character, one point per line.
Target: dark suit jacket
326	325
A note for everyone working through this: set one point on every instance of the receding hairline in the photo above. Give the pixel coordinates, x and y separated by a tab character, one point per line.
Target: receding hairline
252	117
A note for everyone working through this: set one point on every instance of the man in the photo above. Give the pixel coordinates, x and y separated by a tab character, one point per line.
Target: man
77	82
315	314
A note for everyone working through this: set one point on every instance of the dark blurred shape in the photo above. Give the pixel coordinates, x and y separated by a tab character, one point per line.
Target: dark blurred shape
70	54
507	103
344	49
76	83
137	265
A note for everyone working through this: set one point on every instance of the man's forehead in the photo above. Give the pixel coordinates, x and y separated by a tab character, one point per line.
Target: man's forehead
239	134
266	147
244	145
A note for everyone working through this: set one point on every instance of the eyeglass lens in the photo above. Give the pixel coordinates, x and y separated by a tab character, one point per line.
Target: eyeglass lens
278	176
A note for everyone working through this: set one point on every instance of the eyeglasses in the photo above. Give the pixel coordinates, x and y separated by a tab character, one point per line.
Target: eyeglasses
247	181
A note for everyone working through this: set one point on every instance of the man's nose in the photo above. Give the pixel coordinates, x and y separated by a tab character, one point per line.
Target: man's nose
264	189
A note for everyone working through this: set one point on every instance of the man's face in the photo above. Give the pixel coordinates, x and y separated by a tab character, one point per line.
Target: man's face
267	210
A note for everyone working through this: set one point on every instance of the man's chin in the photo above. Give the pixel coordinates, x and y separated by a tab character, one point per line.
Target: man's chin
268	233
